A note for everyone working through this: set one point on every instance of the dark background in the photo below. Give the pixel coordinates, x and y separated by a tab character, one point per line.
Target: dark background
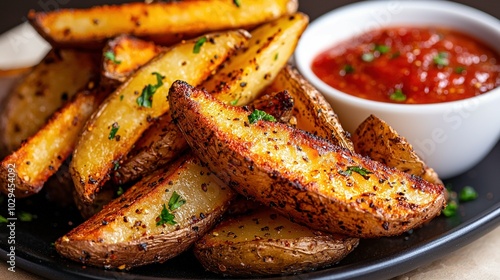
13	13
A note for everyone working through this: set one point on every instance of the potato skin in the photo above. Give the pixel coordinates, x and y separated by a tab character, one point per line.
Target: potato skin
265	243
300	175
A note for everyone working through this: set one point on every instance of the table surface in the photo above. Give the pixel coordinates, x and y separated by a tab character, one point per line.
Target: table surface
478	260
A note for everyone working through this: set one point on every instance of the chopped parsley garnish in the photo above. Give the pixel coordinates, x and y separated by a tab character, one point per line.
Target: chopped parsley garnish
348	69
234	102
468	193
166	217
114	130
450	209
398	95
382	48
120	191
460	70
358	169
276	56
116	165
367	57
26	217
111	56
3	219
146	98
258	115
237	3
441	59
396	55
198	44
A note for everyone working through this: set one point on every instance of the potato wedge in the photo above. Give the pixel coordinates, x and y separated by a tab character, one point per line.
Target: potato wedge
379	141
312	112
123	55
241	79
266	243
304	177
165	23
42	91
163	141
129	111
142	226
41	155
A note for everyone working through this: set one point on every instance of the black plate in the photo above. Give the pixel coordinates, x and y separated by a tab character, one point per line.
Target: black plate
380	258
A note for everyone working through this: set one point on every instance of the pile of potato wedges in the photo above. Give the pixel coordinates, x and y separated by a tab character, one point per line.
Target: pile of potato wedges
184	127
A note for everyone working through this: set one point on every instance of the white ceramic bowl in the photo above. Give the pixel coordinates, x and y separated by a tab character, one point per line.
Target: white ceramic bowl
451	137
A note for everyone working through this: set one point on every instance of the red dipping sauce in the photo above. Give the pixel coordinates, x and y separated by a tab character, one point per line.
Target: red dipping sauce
410	65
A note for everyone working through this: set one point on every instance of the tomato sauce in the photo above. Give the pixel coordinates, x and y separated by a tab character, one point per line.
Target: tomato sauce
410	65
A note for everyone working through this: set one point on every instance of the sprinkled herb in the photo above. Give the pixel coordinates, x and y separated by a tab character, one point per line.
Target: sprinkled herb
114	130
396	55
234	102
198	44
441	59
111	56
398	95
26	217
120	191
450	209
2	219
348	69
166	217
257	115
146	98
121	97
460	70
276	57
358	169
382	48
367	57
116	165
468	193
237	3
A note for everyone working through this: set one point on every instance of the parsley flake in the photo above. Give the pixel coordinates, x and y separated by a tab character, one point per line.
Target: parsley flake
175	201
146	98
111	56
358	169
441	59
198	44
382	49
113	131
450	209
120	191
468	193
460	70
3	219
234	102
398	96
166	217
348	69
26	217
237	3
258	115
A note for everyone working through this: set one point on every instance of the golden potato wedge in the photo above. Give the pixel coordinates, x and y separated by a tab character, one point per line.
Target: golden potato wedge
241	79
163	141
129	111
123	55
153	221
40	156
378	140
165	23
312	112
42	91
266	243
307	178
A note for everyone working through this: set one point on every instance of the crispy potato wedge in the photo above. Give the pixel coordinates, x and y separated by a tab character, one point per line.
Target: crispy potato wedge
147	223
241	79
165	23
163	141
378	140
42	91
129	111
123	55
266	243
41	155
302	176
312	112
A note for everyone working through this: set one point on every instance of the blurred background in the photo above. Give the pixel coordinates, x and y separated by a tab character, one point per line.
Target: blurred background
13	13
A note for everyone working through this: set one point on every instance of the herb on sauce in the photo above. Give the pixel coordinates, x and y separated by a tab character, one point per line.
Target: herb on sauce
111	56
398	96
358	169
113	131
382	48
460	70
166	217
258	115
441	59
468	193
348	69
198	44
146	98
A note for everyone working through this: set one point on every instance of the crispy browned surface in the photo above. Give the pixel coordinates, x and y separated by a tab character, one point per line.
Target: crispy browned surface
378	140
42	91
40	156
266	243
312	112
130	53
302	176
97	152
240	81
165	23
126	234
